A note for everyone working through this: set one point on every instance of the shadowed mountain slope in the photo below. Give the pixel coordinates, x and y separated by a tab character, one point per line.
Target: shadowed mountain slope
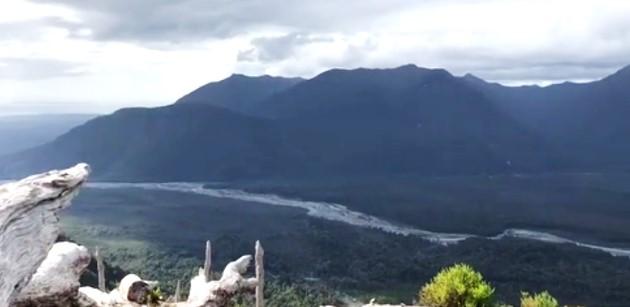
238	92
362	122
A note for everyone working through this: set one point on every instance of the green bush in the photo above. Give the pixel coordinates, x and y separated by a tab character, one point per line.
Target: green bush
457	286
155	297
543	299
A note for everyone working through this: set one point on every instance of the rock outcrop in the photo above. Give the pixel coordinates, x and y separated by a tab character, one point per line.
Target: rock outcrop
29	224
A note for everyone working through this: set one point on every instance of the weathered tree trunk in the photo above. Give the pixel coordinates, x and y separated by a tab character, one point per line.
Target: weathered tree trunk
100	268
216	293
207	266
56	282
178	290
29	223
260	276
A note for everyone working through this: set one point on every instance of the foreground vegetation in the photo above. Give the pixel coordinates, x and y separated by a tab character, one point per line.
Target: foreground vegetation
462	286
543	299
457	286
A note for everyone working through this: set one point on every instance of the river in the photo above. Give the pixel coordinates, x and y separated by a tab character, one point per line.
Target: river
340	213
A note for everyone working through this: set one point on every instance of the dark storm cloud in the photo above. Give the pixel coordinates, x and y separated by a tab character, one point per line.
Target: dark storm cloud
37	69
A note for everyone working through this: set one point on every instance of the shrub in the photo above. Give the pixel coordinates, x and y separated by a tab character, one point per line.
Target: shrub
457	286
543	299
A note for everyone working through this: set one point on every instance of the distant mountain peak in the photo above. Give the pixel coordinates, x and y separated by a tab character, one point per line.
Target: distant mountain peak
475	81
625	71
415	68
621	75
434	73
239	76
408	71
408	66
471	77
239	92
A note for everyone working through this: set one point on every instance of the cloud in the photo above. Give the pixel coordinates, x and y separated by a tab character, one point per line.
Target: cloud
34	69
479	35
186	20
33	29
269	49
507	41
153	51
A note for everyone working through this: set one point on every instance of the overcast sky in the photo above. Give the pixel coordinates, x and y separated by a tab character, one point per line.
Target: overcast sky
100	55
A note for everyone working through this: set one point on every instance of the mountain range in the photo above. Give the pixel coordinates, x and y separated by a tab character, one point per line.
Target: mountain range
361	122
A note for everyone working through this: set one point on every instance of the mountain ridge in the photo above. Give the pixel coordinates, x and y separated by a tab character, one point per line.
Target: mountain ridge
238	92
360	121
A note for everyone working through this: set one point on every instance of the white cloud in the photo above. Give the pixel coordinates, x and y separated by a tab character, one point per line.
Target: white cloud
22	10
76	54
506	41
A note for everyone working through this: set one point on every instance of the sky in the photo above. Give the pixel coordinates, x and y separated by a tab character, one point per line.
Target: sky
95	56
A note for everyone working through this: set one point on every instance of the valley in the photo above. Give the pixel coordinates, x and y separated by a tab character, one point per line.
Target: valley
586	206
340	213
159	230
